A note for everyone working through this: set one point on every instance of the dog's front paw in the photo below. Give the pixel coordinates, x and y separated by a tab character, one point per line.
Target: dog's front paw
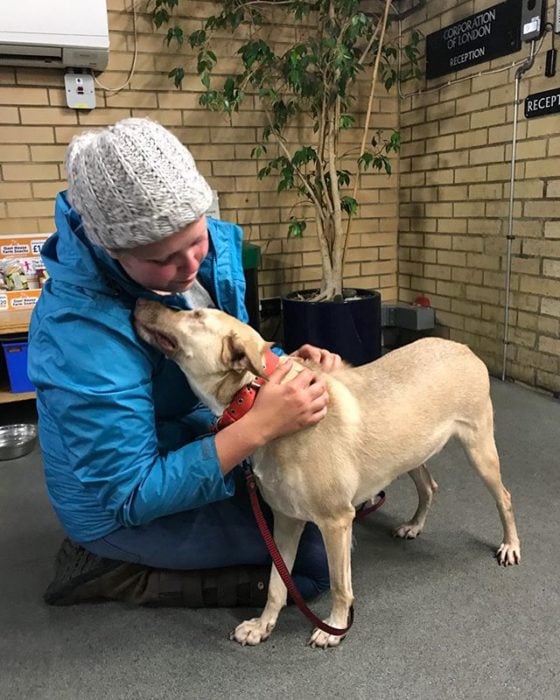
251	632
407	531
324	640
508	554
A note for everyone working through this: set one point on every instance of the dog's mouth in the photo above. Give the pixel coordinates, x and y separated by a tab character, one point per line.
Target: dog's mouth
163	341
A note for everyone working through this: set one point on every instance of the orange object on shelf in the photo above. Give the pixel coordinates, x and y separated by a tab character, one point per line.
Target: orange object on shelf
22	273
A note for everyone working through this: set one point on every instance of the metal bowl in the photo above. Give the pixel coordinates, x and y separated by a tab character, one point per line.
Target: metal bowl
17	440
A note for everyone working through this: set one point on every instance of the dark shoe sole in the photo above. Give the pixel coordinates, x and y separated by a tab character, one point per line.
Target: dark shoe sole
74	567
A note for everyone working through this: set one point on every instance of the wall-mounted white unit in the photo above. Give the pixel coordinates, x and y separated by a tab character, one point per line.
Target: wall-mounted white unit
61	33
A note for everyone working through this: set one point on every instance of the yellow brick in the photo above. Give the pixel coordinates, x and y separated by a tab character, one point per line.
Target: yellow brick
13	153
470	139
528	266
459	274
501	209
503	133
450	320
15	190
449	289
485	191
541	209
485	262
550	307
489	117
551	268
9	115
47	115
235	167
544	126
526	302
48	190
542	168
100	118
27	209
23	95
26	134
552	229
550	345
30	172
474	174
473	103
48	154
502	95
528	149
490	154
18	225
452	193
457	159
548	326
441	272
543	247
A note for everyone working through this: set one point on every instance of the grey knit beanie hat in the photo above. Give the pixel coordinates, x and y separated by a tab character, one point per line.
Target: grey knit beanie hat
134	183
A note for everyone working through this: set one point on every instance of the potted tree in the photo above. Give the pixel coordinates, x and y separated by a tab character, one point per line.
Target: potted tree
309	83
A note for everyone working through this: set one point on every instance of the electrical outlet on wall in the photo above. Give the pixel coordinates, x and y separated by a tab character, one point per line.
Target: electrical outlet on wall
533	13
80	89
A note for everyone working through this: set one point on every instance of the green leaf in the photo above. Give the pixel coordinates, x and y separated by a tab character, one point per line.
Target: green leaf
304	155
296	228
365	160
197	38
343	178
264	172
178	75
160	17
258	151
349	205
175	33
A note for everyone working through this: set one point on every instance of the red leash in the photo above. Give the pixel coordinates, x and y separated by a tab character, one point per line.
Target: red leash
241	403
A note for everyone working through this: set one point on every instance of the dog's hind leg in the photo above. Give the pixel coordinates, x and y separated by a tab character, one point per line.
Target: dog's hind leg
337	535
426	488
287	533
481	449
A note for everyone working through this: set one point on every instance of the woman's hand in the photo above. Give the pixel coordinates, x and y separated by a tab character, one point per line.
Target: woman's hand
328	361
281	409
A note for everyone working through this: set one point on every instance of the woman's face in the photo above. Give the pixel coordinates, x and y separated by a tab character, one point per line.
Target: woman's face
170	265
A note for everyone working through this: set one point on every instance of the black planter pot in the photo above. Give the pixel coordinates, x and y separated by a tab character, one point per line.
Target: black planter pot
351	328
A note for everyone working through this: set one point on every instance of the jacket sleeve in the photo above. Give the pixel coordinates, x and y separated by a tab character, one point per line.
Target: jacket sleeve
99	394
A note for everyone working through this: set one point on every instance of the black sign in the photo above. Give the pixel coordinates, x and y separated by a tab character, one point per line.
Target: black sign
481	37
542	103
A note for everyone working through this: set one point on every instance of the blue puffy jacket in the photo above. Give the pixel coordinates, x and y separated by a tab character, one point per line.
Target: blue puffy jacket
124	439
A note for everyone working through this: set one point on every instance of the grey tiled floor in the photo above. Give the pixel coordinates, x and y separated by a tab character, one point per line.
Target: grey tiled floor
435	618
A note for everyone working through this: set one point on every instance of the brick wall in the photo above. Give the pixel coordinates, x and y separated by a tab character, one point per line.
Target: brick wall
454	197
36	127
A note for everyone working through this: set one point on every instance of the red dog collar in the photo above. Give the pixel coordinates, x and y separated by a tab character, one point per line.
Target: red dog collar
244	399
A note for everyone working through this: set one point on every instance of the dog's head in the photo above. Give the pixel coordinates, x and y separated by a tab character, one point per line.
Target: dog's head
214	350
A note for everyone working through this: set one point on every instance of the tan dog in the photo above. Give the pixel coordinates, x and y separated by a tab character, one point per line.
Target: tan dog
420	396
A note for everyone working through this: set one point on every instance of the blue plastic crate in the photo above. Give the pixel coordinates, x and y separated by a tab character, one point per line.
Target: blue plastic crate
16	363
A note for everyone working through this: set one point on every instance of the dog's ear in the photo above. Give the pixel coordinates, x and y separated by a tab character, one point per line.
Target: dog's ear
242	355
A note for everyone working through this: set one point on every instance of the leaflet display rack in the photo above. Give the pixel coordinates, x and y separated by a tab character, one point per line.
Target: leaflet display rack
21	278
